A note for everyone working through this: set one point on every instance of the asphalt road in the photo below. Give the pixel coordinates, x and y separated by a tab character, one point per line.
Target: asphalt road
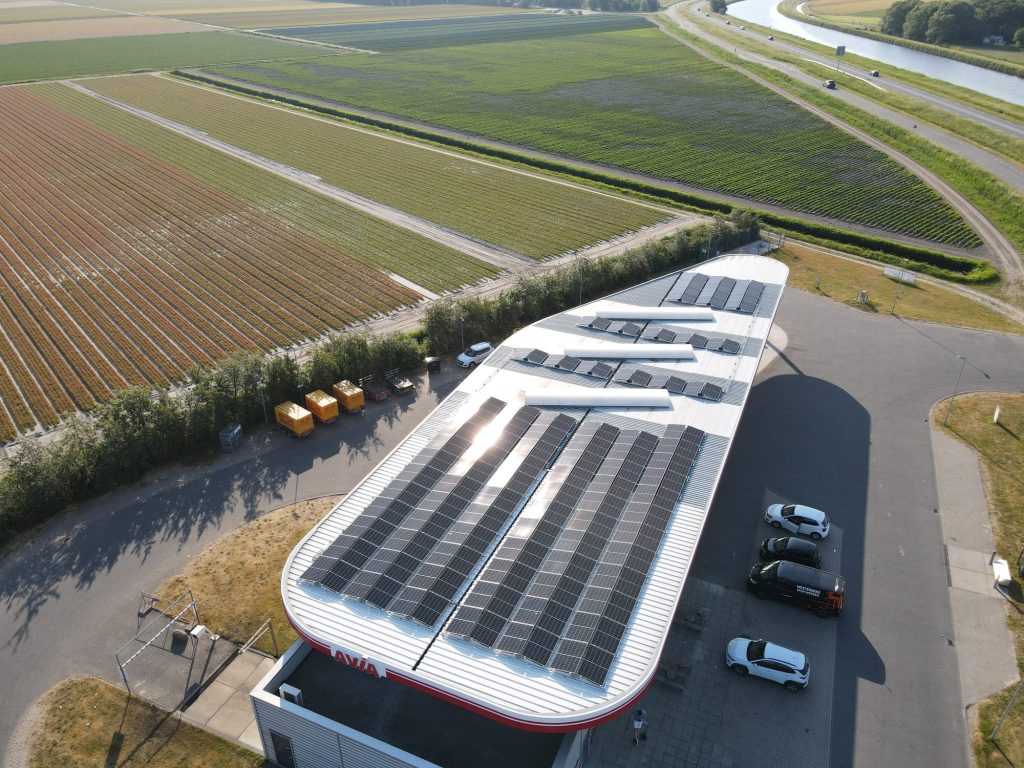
837	420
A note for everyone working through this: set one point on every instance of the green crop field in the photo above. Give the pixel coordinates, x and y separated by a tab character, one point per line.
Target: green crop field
50	60
633	99
366	239
533	216
439	33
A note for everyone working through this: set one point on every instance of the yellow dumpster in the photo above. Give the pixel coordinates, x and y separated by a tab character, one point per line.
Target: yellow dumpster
349	395
294	418
323	406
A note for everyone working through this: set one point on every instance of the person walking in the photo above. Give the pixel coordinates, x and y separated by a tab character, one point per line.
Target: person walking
639	726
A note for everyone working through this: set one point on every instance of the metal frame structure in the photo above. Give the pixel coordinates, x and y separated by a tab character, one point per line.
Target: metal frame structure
172	613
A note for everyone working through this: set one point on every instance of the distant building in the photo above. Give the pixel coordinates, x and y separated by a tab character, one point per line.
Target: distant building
506	579
993	40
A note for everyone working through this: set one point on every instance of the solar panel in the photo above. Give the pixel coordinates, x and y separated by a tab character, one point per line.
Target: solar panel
391	568
736	296
640	378
602	370
708	291
712	392
693	388
336	566
600	323
487	608
731	347
568	363
750	297
630	329
693	290
606	606
538	356
665	335
675	385
697	341
554	604
722	292
714	343
448	568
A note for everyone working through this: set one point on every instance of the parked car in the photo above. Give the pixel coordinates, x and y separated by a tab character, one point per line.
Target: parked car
830	84
474	354
818	591
874	73
760	658
796	518
771	37
792	549
399	384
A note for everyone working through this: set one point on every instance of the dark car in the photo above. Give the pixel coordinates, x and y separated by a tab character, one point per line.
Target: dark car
793	549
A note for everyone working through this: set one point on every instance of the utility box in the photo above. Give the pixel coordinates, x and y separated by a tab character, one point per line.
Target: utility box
230	437
350	396
323	406
294	418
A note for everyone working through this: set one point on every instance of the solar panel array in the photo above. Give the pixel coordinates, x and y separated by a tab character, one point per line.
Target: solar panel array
562	593
595	368
664	335
706	390
717	292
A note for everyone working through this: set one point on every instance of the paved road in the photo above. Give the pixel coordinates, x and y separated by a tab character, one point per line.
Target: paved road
837	420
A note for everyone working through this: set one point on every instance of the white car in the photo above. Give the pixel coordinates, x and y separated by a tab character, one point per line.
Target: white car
474	354
760	658
797	518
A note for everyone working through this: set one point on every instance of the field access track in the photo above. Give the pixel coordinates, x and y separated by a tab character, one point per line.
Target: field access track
117	268
519	212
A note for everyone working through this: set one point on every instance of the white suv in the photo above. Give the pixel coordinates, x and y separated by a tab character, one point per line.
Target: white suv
760	658
797	518
474	354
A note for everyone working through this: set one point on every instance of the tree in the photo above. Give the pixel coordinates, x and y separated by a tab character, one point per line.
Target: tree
952	22
916	25
896	15
718	6
1018	38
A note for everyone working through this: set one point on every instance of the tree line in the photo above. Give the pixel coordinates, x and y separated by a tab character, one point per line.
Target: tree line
955	21
141	428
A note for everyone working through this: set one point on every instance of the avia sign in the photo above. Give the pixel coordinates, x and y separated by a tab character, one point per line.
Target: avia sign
357	661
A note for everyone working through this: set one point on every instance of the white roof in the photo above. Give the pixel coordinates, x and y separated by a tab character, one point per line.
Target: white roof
510	688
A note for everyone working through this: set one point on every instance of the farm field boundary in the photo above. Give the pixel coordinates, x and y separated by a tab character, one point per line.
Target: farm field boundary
309	15
958	268
80	29
598	98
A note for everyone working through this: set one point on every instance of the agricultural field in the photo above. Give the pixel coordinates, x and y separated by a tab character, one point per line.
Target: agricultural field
858	11
309	13
376	244
43	10
50	60
633	99
79	29
118	269
516	211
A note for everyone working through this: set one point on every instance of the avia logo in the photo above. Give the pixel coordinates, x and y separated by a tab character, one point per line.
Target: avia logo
356	661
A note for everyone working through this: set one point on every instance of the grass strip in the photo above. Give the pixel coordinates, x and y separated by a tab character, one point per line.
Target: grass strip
85	721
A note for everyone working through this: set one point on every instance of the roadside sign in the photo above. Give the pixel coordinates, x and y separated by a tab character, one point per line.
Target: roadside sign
840	50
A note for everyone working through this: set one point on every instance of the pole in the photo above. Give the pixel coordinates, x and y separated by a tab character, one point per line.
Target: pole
899	283
1013	699
462	328
956	386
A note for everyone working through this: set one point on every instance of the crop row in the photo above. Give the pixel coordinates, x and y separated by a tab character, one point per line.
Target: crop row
523	213
117	268
637	101
431	33
375	243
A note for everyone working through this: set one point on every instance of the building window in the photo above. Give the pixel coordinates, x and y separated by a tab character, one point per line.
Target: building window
282	750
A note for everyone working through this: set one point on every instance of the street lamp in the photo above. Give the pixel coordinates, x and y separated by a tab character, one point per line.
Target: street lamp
899	283
963	363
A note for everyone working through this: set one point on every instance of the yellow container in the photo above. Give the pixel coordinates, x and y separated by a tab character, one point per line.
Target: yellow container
294	418
323	406
349	395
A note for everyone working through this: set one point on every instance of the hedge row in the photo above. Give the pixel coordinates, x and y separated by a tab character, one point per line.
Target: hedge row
141	428
956	268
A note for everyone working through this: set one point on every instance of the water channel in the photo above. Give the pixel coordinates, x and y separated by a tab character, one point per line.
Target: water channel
1006	87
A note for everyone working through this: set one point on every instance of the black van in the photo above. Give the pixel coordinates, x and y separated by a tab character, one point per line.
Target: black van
818	591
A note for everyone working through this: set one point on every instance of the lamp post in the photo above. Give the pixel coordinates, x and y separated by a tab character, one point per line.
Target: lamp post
899	283
963	364
462	328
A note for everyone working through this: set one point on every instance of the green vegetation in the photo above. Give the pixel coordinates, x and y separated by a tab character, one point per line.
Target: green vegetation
367	239
474	30
953	21
533	216
237	579
51	60
815	271
141	428
1000	449
87	722
638	101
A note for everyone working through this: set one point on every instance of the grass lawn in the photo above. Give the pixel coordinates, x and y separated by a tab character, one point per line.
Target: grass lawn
87	722
1000	448
237	580
843	281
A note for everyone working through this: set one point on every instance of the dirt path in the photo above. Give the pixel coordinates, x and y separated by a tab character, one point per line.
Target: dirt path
1003	252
